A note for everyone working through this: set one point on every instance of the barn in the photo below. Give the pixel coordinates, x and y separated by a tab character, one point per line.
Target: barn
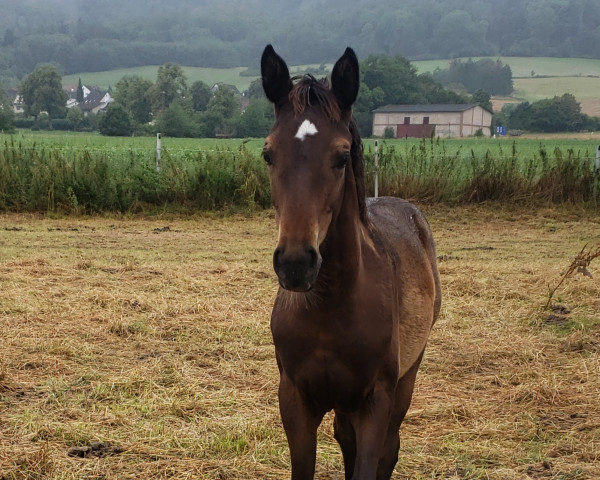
426	120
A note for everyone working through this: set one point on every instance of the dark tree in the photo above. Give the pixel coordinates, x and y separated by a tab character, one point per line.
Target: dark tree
175	121
7	115
171	85
257	119
42	92
485	74
79	95
132	93
483	98
201	95
225	102
115	122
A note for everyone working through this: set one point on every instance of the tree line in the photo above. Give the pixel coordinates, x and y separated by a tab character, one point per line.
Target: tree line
491	76
173	107
549	115
230	33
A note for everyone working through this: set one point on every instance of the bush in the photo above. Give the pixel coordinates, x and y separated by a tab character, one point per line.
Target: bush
60	124
389	132
24	122
115	122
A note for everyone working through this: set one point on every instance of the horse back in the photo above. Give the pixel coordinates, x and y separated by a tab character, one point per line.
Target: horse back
402	231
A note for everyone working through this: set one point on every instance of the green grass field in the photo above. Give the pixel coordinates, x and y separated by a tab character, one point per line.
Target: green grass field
464	147
524	66
209	76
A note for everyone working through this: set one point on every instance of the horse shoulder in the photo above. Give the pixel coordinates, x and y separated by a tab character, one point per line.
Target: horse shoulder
403	232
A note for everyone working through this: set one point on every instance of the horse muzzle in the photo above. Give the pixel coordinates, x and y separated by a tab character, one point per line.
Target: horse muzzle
297	270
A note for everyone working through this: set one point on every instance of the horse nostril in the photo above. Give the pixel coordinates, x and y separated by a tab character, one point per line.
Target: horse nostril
277	255
314	256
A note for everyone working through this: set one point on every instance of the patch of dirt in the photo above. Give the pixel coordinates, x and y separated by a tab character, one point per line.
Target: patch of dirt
542	470
556	320
95	450
559	317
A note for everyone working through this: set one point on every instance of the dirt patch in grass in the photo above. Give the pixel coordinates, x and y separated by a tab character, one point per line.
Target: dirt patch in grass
140	348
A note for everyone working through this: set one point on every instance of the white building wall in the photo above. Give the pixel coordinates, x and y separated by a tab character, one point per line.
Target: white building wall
447	124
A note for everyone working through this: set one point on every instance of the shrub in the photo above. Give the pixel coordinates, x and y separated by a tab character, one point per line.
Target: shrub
389	132
115	122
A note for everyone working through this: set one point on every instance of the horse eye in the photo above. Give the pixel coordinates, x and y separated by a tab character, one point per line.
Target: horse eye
343	160
267	158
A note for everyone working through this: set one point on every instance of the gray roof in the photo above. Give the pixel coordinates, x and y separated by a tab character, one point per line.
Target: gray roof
425	108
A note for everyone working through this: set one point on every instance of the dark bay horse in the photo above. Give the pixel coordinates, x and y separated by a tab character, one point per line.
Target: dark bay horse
360	289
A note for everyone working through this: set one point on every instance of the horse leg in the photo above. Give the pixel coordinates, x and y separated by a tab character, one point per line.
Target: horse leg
300	425
404	391
371	424
343	432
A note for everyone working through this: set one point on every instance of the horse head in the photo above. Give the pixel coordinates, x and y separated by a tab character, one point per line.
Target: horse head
309	152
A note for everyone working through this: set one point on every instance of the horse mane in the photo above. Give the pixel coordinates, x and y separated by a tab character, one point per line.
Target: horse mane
309	92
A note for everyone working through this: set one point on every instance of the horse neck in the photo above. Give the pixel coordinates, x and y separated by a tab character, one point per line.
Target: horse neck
341	250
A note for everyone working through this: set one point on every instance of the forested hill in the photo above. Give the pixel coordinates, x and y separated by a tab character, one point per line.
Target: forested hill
96	35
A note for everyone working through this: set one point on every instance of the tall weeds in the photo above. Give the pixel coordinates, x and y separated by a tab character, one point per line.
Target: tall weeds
42	178
430	172
46	179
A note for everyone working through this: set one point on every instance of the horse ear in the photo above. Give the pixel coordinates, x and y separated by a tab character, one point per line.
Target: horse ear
275	76
345	80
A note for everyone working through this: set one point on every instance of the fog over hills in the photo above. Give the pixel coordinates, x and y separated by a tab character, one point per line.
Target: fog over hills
96	35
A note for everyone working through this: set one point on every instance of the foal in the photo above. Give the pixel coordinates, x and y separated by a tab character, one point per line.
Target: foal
359	285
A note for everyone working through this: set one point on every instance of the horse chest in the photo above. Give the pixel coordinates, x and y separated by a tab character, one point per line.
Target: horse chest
335	364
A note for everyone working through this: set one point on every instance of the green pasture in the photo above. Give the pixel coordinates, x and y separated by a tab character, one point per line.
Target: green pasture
210	76
501	147
525	66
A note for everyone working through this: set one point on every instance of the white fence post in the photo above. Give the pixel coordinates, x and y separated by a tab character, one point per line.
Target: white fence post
376	169
158	151
597	175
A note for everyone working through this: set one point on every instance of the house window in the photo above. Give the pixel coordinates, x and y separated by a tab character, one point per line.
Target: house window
406	120
425	120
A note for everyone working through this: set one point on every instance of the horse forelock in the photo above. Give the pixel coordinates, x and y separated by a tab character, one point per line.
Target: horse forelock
310	92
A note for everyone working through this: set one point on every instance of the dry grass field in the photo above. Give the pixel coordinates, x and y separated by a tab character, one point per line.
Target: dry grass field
139	348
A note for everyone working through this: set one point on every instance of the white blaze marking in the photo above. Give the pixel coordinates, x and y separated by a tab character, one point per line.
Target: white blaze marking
307	128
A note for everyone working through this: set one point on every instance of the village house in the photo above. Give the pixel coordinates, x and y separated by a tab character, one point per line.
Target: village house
426	120
17	100
95	101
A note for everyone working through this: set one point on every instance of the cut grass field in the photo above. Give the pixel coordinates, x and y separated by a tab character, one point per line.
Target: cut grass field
139	347
522	67
544	77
